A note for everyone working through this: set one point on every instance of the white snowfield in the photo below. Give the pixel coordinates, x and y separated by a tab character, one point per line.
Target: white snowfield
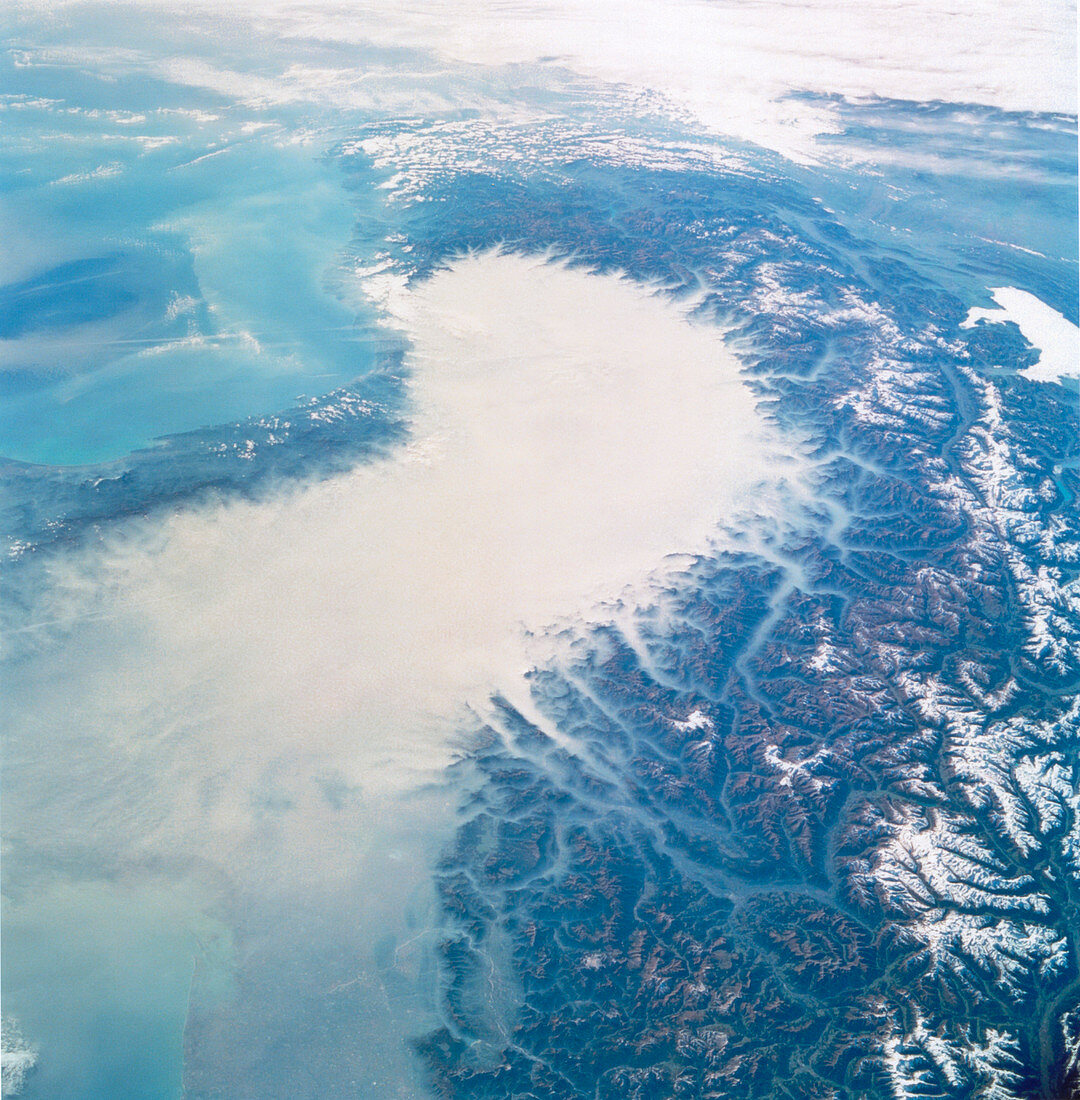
1055	336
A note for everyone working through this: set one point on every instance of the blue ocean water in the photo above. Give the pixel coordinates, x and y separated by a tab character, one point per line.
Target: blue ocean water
99	973
182	277
725	917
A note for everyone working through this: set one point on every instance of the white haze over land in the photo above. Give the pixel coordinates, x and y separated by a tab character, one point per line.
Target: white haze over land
262	694
570	431
728	63
255	701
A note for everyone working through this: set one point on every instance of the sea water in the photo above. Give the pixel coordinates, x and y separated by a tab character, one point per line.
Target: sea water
165	270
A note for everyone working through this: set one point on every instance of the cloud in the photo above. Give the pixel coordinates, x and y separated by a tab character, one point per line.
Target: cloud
570	430
259	699
729	64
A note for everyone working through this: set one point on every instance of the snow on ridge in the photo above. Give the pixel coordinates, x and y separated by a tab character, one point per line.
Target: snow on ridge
917	1056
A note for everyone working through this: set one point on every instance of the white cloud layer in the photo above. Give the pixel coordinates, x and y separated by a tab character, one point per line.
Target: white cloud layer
254	702
726	62
725	59
570	431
